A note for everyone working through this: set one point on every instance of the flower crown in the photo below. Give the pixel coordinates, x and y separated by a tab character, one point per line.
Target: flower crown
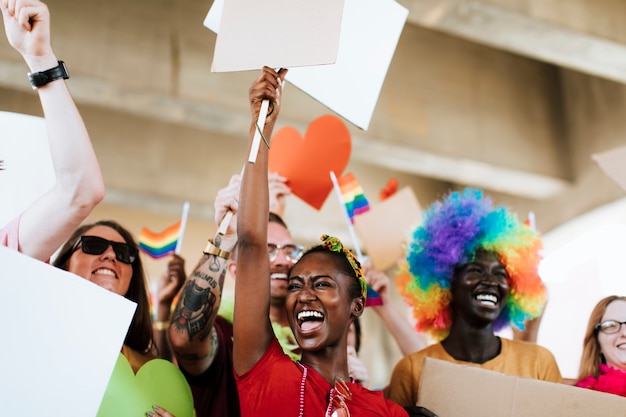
333	244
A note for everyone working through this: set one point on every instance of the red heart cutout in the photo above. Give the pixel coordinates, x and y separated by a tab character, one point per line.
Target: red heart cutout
307	162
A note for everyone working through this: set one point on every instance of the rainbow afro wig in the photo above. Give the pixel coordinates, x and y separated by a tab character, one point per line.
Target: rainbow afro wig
451	233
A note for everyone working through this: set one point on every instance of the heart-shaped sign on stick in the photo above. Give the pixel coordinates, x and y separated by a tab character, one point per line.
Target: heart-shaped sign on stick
158	382
306	162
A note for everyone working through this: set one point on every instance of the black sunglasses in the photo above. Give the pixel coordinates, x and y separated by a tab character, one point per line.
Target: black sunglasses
94	245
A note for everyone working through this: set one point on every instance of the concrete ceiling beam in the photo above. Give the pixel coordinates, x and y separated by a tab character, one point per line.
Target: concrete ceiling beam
232	122
513	32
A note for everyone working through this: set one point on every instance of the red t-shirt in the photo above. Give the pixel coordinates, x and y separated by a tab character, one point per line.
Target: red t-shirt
272	388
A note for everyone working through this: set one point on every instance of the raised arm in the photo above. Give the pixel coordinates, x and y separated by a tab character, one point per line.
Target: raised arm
170	284
251	324
50	220
397	324
192	336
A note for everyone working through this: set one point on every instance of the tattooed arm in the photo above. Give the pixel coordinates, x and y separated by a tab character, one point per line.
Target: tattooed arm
192	336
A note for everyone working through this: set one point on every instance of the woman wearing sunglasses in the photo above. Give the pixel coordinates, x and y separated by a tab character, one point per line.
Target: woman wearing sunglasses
603	362
325	293
106	254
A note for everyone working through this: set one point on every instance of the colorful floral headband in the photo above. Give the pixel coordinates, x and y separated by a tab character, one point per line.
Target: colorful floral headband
333	244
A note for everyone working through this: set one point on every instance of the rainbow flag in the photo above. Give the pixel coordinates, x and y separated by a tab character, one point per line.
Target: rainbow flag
373	298
158	245
353	196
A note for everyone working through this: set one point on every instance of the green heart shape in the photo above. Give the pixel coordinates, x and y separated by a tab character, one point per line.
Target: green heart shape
158	382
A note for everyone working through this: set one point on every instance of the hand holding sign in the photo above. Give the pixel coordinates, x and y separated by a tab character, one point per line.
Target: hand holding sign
370	30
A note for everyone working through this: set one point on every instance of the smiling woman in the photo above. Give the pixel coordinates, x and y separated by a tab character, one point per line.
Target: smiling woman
471	270
325	293
106	254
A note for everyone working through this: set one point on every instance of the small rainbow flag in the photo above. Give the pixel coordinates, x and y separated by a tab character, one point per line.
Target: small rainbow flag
353	196
158	245
373	298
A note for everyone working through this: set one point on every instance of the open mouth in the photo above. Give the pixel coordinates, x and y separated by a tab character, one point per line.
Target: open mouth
309	320
489	300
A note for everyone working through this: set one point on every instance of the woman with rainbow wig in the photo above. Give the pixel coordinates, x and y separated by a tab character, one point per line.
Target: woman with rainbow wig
472	269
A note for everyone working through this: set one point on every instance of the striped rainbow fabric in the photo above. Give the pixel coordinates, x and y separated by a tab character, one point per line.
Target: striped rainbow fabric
373	298
353	196
161	244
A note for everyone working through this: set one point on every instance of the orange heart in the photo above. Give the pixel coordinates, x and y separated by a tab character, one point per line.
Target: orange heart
307	162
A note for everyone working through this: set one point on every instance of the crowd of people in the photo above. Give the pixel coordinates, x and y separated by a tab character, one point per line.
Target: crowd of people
289	343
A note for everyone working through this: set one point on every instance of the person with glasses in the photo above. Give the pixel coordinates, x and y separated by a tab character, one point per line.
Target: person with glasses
43	226
325	293
471	269
106	254
603	361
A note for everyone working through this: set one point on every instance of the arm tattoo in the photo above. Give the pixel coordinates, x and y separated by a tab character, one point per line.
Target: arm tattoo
194	311
214	264
200	298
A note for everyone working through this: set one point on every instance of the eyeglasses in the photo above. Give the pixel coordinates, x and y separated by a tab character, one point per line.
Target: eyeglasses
292	252
337	406
94	245
609	326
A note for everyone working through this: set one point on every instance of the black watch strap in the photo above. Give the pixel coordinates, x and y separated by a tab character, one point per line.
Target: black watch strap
39	79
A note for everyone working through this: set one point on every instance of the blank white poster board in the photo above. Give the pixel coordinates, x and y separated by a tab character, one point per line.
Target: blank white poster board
276	33
28	167
613	164
62	337
370	32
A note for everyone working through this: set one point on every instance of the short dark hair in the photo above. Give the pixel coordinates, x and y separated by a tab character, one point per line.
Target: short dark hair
273	218
357	334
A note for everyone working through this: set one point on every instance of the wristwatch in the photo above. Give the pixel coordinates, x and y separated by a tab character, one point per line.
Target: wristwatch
39	79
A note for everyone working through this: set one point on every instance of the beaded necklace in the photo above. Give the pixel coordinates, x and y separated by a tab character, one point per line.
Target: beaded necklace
302	387
302	384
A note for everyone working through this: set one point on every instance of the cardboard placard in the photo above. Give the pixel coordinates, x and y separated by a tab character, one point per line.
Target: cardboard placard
453	390
28	166
370	31
384	229
64	335
613	164
276	33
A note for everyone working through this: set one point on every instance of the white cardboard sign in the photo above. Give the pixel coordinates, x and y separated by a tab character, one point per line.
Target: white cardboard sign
28	166
62	337
612	163
277	33
370	31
